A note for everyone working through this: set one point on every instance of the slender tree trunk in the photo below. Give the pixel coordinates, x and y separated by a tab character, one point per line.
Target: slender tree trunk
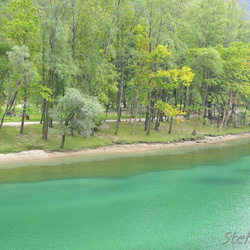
159	113
107	110
234	113
46	122
149	120
220	115
149	115
170	125
205	112
135	117
187	101
157	122
146	119
3	116
24	109
244	118
43	83
43	112
227	118
228	110
223	119
210	111
197	124
119	103
63	141
23	115
140	113
204	99
10	104
132	111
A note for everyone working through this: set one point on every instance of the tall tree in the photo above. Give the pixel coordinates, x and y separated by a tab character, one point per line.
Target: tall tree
57	65
235	79
75	111
21	23
23	78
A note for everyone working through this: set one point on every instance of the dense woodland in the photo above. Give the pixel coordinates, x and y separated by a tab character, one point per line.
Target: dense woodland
164	58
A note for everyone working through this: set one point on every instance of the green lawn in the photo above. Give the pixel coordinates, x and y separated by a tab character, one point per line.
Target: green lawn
33	112
12	141
35	115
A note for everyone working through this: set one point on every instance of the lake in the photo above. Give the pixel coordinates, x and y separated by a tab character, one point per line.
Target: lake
195	197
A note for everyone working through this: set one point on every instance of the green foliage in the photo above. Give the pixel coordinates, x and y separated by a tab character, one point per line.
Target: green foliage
5	67
130	53
168	110
24	74
74	111
21	22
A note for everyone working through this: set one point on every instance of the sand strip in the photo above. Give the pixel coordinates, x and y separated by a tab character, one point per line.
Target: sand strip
36	155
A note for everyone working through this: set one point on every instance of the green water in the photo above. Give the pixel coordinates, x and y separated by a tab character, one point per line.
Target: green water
187	198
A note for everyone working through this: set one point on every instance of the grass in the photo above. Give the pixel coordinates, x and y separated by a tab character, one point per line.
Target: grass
35	115
12	141
33	112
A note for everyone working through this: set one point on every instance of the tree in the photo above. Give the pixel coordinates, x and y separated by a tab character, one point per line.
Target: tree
169	111
235	79
21	28
206	23
21	23
23	79
75	111
57	65
207	65
4	70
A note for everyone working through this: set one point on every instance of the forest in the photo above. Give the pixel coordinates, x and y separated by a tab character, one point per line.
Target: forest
155	58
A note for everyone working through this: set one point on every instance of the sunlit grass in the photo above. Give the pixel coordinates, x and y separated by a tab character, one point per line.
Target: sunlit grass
34	114
12	141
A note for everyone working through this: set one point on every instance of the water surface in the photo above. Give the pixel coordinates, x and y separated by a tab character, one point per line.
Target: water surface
187	198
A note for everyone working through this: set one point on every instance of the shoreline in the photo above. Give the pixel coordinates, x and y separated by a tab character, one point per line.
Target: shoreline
41	155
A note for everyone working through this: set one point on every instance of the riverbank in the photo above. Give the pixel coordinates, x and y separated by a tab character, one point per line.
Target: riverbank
41	155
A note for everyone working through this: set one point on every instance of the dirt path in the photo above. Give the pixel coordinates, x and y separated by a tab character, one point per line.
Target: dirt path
16	124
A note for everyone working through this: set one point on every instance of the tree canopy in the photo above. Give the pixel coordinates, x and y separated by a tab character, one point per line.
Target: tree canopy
191	55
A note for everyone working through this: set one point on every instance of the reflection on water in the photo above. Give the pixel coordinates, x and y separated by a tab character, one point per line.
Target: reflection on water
130	202
122	165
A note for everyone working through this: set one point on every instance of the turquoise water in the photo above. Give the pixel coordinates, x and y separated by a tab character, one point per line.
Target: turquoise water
158	200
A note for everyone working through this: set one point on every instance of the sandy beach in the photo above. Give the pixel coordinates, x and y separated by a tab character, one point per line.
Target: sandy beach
38	155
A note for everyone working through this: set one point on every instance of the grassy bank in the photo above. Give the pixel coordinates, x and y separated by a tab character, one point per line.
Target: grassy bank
12	141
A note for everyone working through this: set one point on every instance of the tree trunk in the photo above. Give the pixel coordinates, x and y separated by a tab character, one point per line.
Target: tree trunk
223	120
106	112
196	125
229	110
135	117
157	122
23	115
63	141
171	125
149	120
146	119
10	104
45	122
210	111
233	113
3	116
227	118
119	103
43	112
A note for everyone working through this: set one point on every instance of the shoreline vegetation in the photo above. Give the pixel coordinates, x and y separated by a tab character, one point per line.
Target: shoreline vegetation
132	66
30	150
